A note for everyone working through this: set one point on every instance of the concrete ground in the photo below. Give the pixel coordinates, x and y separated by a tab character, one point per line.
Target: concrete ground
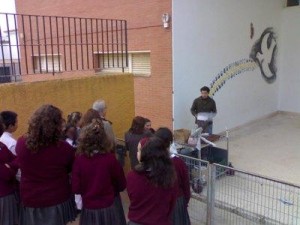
269	147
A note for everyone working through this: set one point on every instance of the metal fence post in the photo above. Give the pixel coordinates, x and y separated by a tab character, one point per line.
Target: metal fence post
211	194
234	197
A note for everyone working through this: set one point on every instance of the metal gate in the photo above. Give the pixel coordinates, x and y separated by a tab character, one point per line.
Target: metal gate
227	196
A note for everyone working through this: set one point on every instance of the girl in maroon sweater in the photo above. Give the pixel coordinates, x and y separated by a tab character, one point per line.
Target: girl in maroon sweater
180	214
133	136
8	203
97	175
45	162
151	186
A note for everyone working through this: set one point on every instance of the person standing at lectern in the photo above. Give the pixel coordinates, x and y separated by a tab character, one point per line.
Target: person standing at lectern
204	110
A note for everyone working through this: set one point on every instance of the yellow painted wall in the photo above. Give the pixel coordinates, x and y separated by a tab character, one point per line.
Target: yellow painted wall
72	95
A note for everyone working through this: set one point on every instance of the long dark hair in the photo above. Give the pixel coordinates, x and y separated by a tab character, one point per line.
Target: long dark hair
93	139
137	125
45	127
156	163
165	134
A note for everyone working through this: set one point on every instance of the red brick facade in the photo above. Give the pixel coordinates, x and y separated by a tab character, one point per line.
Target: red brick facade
153	94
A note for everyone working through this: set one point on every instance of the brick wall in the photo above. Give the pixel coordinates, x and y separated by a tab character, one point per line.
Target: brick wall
153	94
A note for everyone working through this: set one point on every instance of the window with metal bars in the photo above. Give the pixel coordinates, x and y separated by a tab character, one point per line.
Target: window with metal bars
47	63
138	63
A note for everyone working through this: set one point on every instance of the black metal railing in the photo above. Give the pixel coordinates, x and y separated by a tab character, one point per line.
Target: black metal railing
35	44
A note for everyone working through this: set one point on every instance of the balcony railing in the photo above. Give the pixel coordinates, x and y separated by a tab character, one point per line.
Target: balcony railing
36	44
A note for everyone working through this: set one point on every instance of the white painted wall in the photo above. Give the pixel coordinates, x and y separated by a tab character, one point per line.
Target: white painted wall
208	36
289	90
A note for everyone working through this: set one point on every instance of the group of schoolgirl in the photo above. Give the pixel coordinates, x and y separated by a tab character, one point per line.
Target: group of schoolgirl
158	186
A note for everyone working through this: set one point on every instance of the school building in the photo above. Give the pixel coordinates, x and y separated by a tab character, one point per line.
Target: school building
245	50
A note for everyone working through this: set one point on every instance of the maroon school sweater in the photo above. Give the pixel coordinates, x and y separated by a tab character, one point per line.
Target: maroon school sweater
97	179
7	175
149	205
45	174
182	178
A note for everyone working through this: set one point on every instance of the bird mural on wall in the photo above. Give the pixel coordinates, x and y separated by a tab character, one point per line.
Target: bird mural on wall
262	55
